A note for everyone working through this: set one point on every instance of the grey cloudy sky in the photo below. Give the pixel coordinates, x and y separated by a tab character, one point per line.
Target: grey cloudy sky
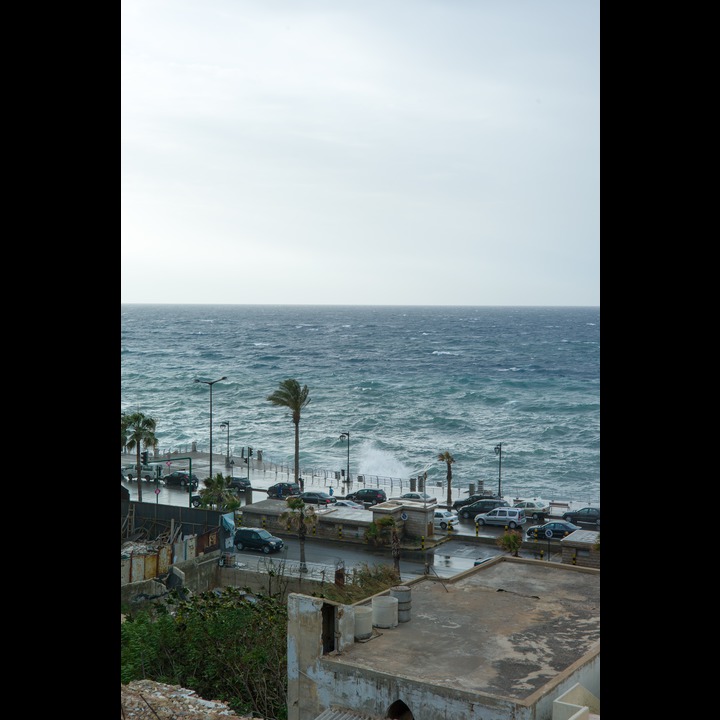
362	152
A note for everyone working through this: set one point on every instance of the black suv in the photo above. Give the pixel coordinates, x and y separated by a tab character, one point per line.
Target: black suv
182	478
257	539
368	496
283	490
471	499
480	506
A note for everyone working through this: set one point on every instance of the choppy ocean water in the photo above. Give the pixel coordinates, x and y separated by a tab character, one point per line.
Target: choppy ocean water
405	382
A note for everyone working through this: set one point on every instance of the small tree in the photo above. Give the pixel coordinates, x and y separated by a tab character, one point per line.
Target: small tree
511	541
448	459
298	517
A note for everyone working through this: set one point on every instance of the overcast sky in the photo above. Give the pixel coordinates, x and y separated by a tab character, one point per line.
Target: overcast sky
361	152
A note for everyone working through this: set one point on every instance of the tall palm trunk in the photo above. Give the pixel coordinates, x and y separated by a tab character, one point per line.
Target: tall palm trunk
302	531
139	474
448	459
297	448
449	485
396	552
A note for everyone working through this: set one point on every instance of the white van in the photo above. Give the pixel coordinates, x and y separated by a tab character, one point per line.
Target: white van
503	516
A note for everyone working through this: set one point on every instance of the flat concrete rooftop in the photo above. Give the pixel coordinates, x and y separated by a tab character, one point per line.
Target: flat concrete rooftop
505	628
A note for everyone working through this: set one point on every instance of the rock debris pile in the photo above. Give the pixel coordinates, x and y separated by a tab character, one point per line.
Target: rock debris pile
148	700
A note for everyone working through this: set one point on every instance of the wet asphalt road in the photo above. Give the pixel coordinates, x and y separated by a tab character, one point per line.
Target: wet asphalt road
455	555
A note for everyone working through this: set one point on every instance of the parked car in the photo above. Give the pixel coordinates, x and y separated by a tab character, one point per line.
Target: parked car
502	516
368	496
242	483
584	516
283	490
196	501
257	539
444	518
536	509
149	472
422	497
349	504
181	478
315	497
481	506
473	498
555	529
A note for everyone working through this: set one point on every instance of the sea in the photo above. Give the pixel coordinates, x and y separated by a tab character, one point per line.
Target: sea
512	393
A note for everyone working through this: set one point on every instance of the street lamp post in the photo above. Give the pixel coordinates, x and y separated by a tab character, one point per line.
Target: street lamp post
347	472
210	383
498	452
226	423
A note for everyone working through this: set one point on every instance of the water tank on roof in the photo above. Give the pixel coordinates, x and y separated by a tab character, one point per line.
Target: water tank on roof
363	623
385	611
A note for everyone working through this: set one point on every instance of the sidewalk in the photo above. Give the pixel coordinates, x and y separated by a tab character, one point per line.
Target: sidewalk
263	474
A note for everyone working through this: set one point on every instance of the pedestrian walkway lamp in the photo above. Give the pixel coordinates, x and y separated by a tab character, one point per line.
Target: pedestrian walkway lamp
498	452
347	472
210	383
226	423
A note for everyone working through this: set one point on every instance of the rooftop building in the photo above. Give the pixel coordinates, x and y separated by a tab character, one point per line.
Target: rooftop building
505	639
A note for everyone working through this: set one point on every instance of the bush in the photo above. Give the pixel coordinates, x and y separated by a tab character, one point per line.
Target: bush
219	645
511	541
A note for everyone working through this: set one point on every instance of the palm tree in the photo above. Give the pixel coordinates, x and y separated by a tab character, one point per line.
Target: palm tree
447	458
219	492
138	430
292	396
123	431
298	516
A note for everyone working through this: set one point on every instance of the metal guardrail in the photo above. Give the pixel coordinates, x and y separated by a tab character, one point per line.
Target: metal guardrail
293	568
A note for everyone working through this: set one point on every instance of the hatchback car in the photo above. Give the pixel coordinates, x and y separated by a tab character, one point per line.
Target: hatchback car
368	496
315	497
480	506
283	490
502	516
584	516
444	518
556	530
257	539
537	509
182	478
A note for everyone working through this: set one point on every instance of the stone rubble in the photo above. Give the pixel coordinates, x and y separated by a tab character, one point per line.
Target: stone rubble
148	700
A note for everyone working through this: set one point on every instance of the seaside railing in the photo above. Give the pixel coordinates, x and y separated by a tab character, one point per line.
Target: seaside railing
393	486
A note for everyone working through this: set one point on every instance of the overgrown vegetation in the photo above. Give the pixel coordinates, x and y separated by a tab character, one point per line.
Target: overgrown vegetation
226	647
222	646
366	581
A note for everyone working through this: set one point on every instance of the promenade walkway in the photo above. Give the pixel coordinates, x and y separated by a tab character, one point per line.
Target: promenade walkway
264	473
